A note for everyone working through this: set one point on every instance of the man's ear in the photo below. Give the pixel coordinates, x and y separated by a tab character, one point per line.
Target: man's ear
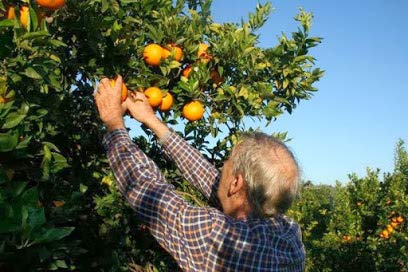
236	185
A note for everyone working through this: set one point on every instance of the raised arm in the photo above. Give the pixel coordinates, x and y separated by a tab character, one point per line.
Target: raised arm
194	167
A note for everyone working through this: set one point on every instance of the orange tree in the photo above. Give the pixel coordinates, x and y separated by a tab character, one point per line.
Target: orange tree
59	208
361	224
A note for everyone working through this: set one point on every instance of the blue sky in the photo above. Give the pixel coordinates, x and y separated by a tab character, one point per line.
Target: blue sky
360	111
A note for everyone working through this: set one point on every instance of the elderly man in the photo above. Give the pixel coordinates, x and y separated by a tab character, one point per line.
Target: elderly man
256	186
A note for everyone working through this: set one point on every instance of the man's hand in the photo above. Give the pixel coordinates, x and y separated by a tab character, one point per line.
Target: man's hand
108	101
140	109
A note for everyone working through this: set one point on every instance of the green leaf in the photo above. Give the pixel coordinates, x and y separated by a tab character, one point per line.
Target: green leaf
8	141
83	188
18	188
34	35
13	119
53	234
6	23
30	197
59	163
32	73
51	146
24	143
36	217
57	43
8	225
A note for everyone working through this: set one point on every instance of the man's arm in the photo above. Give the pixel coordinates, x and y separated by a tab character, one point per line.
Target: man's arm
192	164
176	225
194	167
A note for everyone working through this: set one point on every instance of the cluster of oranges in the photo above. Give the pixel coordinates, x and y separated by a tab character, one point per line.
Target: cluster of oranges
25	10
394	224
346	238
153	55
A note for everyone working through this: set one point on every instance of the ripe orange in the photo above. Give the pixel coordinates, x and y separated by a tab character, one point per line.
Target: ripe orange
24	14
175	50
215	77
152	54
385	234
51	4
154	96
167	102
193	110
124	89
400	219
390	229
11	12
58	203
186	72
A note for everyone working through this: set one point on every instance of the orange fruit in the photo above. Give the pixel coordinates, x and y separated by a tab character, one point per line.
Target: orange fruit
11	12
186	72
215	77
51	4
400	219
58	203
154	96
24	15
167	102
390	229
175	50
193	110
385	234
152	54
124	93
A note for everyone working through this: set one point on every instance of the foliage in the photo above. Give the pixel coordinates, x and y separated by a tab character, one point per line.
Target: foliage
59	206
343	226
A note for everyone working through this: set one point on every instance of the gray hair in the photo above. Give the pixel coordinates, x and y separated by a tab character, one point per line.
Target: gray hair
270	172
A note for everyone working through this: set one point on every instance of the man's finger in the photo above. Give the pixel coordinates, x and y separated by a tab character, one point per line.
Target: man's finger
118	84
104	82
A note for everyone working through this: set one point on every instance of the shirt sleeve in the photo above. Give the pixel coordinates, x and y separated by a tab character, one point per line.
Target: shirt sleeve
195	168
179	227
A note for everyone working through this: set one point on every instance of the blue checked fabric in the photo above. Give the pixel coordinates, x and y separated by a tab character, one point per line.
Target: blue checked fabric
199	238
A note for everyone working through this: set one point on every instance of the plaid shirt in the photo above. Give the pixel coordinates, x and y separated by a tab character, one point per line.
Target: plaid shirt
199	238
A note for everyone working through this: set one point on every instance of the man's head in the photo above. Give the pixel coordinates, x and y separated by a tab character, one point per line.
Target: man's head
260	178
